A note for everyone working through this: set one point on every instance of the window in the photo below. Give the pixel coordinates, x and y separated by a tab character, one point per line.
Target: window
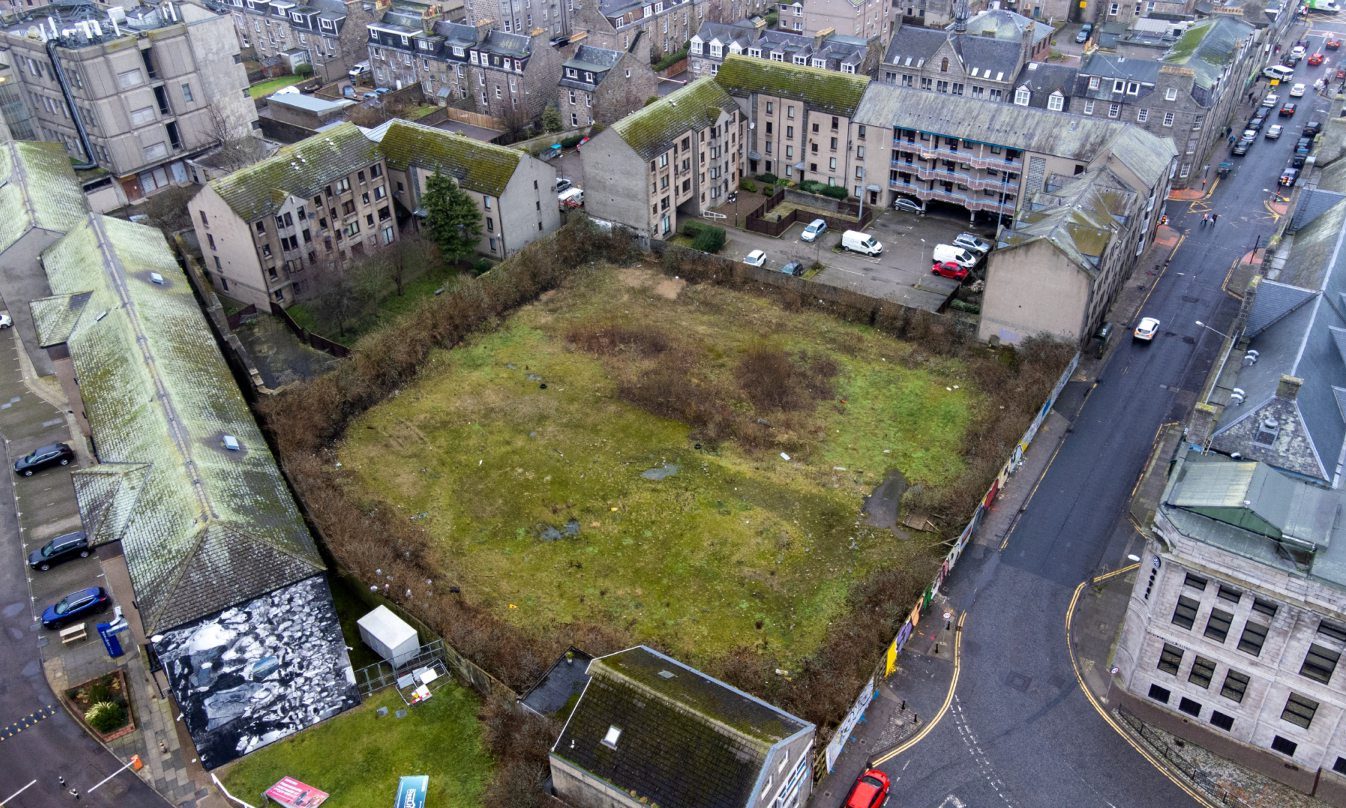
1229	593
1235	685
1093	82
388	234
1056	102
1265	607
1089	107
1160	694
1190	707
1171	94
1142	115
770	106
1114	109
142	116
1332	631
1202	671
129	78
1021	96
1217	625
1132	88
1253	638
1221	720
1319	663
343	185
187	93
1283	746
1195	582
1185	613
1340	766
1168	119
1118	85
1299	710
155	151
1170	659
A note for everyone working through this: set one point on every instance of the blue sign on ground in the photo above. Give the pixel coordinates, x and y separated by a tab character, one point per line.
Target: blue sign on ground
411	791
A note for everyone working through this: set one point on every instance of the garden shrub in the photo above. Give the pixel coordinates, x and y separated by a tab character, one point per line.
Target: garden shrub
571	141
835	191
768	179
105	716
709	239
747	185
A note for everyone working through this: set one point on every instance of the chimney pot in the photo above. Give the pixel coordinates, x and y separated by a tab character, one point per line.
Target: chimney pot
1288	387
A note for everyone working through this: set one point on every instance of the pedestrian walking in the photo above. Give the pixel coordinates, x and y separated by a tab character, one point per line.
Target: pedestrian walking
1214	217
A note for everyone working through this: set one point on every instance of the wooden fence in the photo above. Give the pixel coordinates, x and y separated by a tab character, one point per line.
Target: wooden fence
308	337
845	215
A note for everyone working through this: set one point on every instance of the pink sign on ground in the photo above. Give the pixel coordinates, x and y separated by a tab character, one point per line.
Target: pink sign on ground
290	793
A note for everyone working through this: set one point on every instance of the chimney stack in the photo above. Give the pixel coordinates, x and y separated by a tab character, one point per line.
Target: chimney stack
1288	387
1201	424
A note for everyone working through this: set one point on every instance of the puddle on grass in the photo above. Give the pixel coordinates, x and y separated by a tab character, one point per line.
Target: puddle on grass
550	533
660	472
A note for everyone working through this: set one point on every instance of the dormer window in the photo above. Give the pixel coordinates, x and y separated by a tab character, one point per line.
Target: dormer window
1056	101
1132	88
820	63
801	60
1093	82
716	50
457	51
472	57
1022	96
405	39
328	25
696	47
755	53
1118	86
588	77
570	73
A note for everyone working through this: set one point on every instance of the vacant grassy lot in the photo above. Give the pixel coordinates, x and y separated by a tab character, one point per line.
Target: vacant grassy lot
358	757
262	89
617	454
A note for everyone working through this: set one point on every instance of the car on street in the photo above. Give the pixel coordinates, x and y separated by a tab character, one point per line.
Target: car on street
1241	148
1304	145
5	320
1083	35
1271	100
1312	128
1298	51
1316	59
1146	329
1274	131
59	549
1332	43
949	269
814	229
908	205
970	242
563	184
1289	177
1290	60
793	268
1297	91
756	258
53	454
870	790
1288	110
1297	161
74	606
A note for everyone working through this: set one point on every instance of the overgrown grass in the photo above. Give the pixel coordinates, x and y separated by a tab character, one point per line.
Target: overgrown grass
262	89
357	757
529	427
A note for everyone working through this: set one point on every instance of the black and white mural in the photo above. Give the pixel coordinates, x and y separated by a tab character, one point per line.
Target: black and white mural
257	672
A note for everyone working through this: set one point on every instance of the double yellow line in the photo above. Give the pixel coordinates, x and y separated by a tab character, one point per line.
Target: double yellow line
943	708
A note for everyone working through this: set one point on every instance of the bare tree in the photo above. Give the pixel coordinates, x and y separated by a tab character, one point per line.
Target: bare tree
336	300
410	257
236	150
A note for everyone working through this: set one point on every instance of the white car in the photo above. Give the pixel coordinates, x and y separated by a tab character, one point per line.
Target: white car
1298	52
1146	329
756	258
5	320
1297	91
970	242
1274	131
815	228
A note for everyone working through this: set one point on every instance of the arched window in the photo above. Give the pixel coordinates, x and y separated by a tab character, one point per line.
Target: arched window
944	65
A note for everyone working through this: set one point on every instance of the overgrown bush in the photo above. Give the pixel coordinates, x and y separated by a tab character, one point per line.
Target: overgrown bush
571	141
106	716
519	743
835	191
709	239
747	185
768	179
671	59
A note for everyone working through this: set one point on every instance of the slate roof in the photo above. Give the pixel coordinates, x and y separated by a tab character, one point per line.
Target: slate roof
742	32
651	130
911	46
1080	219
589	57
1113	66
37	191
1043	79
823	90
1006	25
686	738
1208	47
516	46
988	59
203	528
475	165
302	169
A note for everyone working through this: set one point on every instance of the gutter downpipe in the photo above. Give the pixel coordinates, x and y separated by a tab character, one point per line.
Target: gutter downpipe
83	133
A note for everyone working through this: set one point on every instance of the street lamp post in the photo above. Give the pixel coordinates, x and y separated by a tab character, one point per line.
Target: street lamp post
1208	328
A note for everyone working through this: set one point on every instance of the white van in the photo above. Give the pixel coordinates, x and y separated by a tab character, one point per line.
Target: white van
958	255
1279	72
855	241
571	197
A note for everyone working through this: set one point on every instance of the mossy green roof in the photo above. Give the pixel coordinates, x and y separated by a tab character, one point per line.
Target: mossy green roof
823	90
651	130
37	190
1080	219
203	528
301	169
1207	46
476	166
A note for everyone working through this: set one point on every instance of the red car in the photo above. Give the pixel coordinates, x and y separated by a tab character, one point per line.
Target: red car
1332	43
948	269
870	790
1316	59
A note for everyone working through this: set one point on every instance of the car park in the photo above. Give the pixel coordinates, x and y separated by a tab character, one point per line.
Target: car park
902	203
869	791
1288	110
855	241
1298	91
1289	177
1083	35
74	606
793	268
971	243
1316	59
949	269
60	549
756	258
814	229
1274	132
1146	329
1278	72
53	454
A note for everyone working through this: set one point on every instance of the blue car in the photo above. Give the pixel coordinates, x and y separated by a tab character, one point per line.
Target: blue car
75	606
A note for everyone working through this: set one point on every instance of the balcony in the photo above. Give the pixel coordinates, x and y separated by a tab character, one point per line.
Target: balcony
969	201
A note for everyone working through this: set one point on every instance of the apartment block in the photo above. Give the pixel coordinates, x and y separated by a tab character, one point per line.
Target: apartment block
714	42
864	19
677	156
980	57
599	85
523	16
1186	96
327	34
645	28
131	94
511	76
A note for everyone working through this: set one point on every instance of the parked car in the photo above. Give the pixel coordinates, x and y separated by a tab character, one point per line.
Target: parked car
59	549
1146	329
1288	110
1254	126
563	184
756	258
53	454
909	205
1289	177
1290	60
74	606
1083	35
971	243
1241	148
1297	161
793	268
1332	43
869	791
357	70
949	269
5	320
1316	59
1298	51
572	197
958	255
1278	72
1274	132
1312	128
814	229
1297	91
1304	145
855	241
1271	100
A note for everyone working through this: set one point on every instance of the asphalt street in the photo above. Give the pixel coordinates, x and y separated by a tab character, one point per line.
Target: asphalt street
1019	731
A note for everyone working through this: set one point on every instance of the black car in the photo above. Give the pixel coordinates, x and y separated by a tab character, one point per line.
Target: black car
1256	123
59	549
1288	110
1303	145
1241	148
1289	177
1298	161
53	454
1313	128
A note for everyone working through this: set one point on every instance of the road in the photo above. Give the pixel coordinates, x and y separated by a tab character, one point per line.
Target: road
1019	731
39	741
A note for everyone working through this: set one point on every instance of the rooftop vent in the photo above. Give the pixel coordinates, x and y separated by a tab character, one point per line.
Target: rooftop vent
157	279
231	443
610	740
1250	358
1237	396
666	674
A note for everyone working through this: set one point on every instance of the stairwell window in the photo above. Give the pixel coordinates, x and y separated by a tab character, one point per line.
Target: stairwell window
1235	686
1217	625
